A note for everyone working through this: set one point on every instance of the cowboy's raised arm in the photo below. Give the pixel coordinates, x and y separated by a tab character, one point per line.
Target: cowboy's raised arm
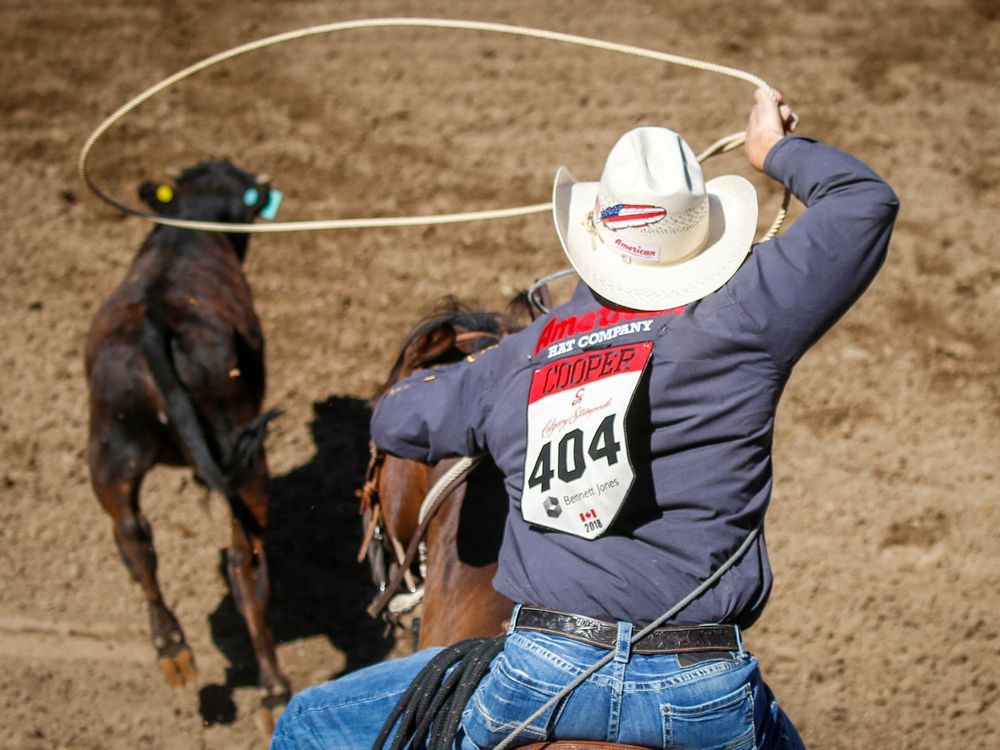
797	285
436	413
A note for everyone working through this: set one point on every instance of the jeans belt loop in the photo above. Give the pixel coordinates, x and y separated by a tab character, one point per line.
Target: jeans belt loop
739	639
513	618
623	644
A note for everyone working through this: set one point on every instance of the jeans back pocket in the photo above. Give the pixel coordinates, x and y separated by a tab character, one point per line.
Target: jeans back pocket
503	700
724	723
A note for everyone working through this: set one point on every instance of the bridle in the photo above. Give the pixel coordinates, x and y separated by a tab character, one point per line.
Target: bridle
370	507
440	493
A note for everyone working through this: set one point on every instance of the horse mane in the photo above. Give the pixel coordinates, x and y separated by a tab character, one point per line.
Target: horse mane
437	339
434	340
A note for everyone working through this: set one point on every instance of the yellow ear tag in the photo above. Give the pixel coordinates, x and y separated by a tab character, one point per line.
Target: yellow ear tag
164	193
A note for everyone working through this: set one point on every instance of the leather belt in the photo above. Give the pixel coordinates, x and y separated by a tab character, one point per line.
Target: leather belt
669	640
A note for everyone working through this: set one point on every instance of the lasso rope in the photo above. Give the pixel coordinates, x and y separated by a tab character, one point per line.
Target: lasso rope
461	468
727	143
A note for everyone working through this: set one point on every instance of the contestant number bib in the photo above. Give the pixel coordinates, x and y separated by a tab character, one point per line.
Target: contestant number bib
577	472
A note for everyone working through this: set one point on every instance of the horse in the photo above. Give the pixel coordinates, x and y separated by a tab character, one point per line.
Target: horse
175	374
462	539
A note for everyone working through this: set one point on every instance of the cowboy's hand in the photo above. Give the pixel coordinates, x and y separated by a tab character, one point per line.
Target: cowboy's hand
770	120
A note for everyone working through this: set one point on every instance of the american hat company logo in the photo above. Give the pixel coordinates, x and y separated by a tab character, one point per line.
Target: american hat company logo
636	250
600	326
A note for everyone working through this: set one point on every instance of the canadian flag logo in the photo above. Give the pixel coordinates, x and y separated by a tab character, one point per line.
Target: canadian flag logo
589	514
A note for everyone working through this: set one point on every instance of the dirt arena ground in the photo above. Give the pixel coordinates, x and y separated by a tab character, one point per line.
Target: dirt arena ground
882	630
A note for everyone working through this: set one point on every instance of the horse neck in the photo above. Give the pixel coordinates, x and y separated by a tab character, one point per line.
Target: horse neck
459	599
403	484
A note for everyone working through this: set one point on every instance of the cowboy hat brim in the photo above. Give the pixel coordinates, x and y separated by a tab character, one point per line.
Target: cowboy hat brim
657	286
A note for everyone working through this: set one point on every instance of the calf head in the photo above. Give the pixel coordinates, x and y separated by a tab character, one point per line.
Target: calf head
216	191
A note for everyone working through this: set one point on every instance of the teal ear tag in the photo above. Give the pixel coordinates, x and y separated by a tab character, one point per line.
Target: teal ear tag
251	196
273	201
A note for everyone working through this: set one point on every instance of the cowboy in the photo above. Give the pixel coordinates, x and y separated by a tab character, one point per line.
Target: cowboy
633	425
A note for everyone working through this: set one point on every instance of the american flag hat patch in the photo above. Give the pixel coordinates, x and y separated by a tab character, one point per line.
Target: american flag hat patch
652	234
627	216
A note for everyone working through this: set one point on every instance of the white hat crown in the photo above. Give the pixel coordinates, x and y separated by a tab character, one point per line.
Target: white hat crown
653	234
651	202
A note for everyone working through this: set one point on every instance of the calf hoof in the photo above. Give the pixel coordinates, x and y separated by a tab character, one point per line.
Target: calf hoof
177	665
272	703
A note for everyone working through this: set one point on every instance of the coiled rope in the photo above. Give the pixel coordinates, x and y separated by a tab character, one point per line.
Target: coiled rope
430	710
724	144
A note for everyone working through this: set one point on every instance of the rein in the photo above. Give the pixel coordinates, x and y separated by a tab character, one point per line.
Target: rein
466	337
430	710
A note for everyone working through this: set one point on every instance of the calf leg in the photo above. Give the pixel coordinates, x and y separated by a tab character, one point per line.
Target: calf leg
134	537
248	578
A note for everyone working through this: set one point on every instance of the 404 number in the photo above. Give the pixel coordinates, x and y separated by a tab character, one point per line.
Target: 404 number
570	460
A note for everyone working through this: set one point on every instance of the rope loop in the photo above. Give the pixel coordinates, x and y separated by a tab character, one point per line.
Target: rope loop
721	146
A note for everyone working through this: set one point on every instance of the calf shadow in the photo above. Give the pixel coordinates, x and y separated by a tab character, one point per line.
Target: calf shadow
314	531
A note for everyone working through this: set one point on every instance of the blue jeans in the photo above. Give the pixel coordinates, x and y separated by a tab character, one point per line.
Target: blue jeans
650	700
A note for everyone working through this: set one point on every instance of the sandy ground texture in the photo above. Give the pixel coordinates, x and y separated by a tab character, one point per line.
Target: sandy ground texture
882	630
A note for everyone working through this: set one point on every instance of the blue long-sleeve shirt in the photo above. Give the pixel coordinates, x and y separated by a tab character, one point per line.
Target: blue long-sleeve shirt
689	452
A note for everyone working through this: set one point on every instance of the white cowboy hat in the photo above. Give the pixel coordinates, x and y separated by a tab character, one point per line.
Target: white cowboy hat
652	234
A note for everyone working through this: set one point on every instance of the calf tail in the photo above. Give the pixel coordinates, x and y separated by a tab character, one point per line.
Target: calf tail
248	448
180	407
247	452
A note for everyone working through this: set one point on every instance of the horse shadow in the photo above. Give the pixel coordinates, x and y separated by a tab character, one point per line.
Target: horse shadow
313	534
